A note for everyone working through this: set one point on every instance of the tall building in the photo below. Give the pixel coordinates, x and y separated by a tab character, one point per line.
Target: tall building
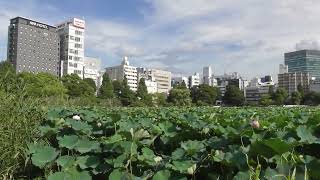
283	69
290	81
253	94
160	77
72	46
122	71
194	80
207	75
92	70
180	80
163	79
33	46
306	61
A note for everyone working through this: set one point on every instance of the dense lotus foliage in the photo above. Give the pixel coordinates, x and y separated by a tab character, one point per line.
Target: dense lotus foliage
178	143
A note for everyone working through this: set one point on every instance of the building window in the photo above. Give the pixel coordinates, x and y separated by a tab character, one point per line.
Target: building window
76	45
70	57
72	37
77	39
78	32
77	71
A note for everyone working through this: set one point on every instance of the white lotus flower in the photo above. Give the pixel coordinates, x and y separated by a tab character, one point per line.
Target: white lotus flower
192	169
76	117
157	159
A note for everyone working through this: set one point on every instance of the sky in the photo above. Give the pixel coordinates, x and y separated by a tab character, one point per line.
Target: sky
182	36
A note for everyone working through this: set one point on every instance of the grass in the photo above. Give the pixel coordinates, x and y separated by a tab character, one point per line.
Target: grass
19	119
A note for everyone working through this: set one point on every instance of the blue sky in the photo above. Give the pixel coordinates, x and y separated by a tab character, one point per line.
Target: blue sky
247	36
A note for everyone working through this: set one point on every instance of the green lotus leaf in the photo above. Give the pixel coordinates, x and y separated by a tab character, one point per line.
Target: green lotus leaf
65	161
44	155
68	141
162	175
85	145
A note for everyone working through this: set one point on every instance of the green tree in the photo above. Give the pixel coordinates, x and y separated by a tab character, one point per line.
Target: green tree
179	96
296	98
265	100
311	98
142	93
106	89
42	85
117	87
127	96
301	90
76	87
159	99
204	94
91	83
233	96
280	96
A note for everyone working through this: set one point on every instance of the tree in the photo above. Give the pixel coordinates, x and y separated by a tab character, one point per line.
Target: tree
301	90
179	97
127	96
160	99
311	98
233	96
76	87
91	83
280	96
265	100
106	90
296	98
204	94
142	93
117	87
142	90
42	85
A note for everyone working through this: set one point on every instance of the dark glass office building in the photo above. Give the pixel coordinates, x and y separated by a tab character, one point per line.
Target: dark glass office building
307	61
33	46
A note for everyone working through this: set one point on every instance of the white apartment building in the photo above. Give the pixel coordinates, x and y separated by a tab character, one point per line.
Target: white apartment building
194	80
71	35
163	79
152	86
124	70
92	69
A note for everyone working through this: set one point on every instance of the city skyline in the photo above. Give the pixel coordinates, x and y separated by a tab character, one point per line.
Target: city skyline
183	36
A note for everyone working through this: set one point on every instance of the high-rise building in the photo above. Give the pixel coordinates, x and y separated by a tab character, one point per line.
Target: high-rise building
207	75
180	80
194	80
124	71
290	81
283	69
92	70
33	46
306	61
72	46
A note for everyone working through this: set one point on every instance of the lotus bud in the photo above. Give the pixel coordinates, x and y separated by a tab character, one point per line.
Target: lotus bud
99	124
255	124
157	159
192	169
